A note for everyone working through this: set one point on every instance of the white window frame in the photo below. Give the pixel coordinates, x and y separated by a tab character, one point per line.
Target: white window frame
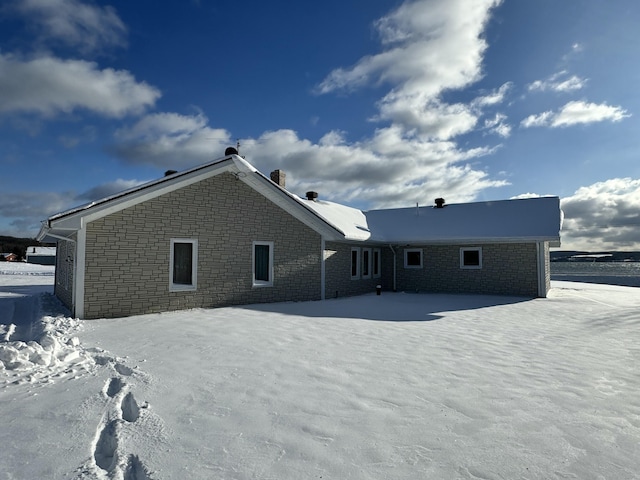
377	263
366	263
471	249
261	283
180	287
358	257
413	250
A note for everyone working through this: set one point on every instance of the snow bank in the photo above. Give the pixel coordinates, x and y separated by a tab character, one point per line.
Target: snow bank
38	342
39	350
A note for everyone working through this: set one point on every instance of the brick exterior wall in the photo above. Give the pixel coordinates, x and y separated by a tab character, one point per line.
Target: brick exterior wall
507	269
128	252
65	262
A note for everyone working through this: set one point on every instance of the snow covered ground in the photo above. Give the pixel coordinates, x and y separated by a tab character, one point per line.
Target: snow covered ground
372	387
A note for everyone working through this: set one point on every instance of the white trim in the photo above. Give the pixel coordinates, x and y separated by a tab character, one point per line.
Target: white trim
541	258
357	251
376	265
79	273
261	283
178	287
323	269
235	165
413	250
367	263
471	249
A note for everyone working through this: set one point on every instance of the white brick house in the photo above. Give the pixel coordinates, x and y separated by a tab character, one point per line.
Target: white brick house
225	234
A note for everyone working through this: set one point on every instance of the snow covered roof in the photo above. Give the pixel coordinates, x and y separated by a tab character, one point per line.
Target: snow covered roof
532	219
350	221
529	219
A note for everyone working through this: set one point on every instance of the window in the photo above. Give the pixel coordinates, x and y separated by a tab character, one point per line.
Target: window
413	258
183	264
471	257
366	263
376	263
355	263
262	264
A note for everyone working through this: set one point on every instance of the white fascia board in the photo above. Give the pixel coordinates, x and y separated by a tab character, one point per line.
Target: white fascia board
74	221
474	240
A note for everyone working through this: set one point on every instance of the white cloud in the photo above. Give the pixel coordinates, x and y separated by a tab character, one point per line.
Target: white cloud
493	98
107	189
23	212
582	112
540	120
428	47
388	169
430	118
385	171
603	216
559	82
49	85
171	140
574	113
498	125
72	22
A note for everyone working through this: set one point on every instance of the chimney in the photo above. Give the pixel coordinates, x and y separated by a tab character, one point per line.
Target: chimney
439	202
279	177
312	196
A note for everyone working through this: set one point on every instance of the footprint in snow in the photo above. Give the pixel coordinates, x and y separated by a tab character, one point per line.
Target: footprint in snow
130	409
114	387
106	447
135	469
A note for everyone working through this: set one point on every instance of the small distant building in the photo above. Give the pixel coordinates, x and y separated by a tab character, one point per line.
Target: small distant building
41	255
9	257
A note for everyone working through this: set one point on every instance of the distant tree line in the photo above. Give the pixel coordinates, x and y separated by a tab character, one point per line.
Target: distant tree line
18	246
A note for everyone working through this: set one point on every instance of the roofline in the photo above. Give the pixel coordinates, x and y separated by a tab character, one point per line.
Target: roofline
63	225
71	220
471	240
300	202
124	193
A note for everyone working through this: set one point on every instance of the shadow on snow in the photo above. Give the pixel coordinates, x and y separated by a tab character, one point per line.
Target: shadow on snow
389	307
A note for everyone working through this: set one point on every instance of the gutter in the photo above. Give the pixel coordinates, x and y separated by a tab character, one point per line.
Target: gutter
394	267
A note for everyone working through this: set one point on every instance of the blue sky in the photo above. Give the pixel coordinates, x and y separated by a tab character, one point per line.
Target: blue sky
371	103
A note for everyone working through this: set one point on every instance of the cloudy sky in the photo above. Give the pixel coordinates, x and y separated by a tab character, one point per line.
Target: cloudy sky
372	103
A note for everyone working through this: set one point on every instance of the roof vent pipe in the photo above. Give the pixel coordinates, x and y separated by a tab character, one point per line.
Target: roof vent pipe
439	202
312	196
170	172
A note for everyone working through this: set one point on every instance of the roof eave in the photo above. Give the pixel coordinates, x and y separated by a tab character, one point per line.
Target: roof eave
73	219
467	240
